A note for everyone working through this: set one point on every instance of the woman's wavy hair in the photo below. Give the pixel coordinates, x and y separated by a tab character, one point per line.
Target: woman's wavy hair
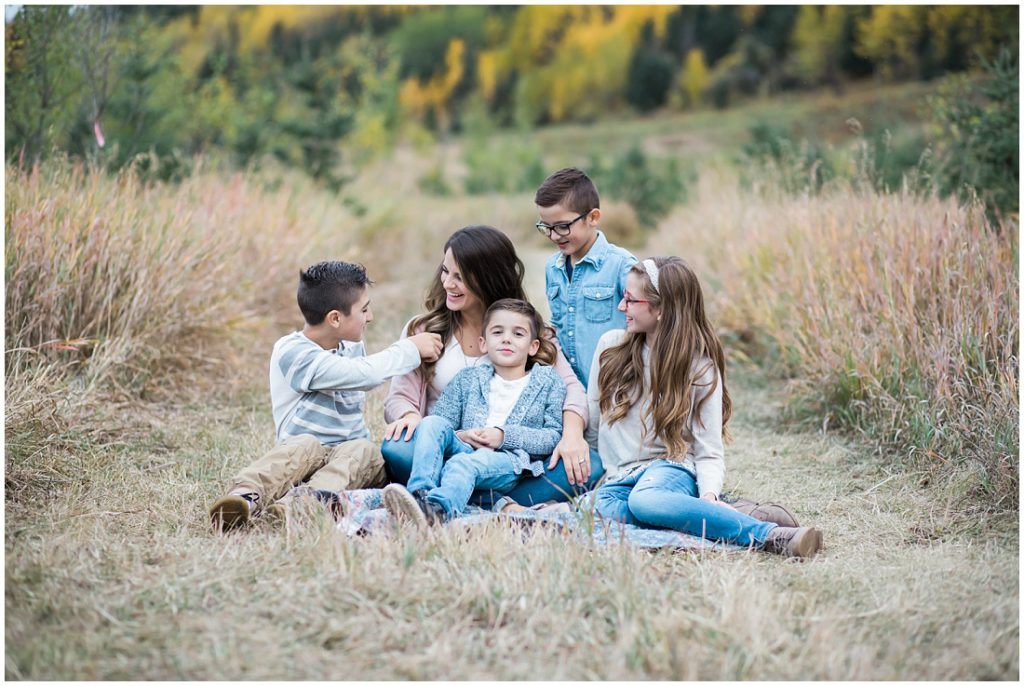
684	336
490	269
547	352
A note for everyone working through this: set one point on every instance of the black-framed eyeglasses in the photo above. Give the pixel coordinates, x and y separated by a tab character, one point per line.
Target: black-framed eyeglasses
560	228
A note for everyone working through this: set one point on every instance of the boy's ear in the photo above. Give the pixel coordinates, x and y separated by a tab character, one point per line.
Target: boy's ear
534	347
483	345
595	215
333	317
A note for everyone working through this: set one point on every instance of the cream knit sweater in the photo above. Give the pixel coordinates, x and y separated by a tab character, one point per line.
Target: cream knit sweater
619	444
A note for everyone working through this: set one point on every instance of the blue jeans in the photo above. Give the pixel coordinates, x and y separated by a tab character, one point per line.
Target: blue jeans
490	470
531	490
664	495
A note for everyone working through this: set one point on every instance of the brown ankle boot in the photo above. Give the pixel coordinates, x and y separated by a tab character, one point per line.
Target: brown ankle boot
804	541
765	512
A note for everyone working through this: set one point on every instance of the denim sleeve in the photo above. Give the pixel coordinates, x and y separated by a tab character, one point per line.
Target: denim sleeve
540	441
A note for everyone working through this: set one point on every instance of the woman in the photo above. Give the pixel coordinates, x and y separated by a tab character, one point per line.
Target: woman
480	267
665	459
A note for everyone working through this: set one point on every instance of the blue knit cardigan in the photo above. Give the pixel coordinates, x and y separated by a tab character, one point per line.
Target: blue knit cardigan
535	423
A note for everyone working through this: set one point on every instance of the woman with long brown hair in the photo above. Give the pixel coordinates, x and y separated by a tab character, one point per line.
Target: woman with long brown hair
478	268
659	410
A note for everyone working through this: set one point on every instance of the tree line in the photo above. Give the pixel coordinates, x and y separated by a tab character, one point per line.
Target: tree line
322	87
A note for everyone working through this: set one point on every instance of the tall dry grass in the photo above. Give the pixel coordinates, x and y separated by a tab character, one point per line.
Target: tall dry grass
117	287
894	314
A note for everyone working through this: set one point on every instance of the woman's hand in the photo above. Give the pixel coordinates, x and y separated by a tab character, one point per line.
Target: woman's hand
407	422
573	451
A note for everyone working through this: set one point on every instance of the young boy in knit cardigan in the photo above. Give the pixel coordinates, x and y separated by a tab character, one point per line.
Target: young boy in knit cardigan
493	424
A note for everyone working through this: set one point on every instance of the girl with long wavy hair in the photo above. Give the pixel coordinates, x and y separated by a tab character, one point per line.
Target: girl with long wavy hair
659	413
479	266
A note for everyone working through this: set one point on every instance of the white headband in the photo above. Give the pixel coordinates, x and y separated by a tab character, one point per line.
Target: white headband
652	271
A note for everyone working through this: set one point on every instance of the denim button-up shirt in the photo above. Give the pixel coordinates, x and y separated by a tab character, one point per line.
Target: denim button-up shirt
583	308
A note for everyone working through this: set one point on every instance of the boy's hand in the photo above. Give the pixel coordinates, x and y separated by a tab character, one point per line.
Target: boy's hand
428	344
407	422
490	437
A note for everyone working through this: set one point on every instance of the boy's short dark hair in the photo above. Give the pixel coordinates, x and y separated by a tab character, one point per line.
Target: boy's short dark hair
519	307
330	285
570	188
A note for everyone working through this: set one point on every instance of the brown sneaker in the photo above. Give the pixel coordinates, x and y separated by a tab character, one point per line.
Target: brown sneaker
804	541
403	506
233	510
765	512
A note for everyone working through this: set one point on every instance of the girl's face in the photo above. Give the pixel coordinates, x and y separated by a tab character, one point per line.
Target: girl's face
459	297
640	316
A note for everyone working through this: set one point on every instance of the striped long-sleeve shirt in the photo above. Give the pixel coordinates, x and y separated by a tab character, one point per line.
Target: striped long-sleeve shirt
321	393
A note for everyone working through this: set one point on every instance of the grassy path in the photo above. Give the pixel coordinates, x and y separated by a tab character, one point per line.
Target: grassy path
112	572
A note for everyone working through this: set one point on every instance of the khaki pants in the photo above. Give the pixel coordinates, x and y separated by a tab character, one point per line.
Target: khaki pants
348	465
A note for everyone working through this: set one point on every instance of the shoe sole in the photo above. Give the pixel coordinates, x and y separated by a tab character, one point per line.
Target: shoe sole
806	545
230	512
403	506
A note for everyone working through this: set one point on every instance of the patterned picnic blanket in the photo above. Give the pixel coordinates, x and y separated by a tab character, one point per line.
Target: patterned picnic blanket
365	514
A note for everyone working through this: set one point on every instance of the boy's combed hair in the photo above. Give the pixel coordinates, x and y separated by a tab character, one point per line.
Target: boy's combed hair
684	336
330	285
570	188
547	352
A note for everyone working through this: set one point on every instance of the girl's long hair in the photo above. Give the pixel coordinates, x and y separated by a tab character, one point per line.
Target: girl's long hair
684	336
490	269
546	353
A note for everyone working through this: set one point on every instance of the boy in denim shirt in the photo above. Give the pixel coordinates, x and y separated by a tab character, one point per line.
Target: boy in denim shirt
586	278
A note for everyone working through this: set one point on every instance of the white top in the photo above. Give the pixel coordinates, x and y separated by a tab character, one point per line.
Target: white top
620	446
452	361
502	399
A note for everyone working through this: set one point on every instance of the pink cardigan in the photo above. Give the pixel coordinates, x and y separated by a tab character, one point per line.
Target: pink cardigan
408	393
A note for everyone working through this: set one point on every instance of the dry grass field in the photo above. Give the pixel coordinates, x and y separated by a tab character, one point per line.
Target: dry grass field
139	322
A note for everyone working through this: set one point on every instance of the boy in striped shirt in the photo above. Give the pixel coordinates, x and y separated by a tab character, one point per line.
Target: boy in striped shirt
318	382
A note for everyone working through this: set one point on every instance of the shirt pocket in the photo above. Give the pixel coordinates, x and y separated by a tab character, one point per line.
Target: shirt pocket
557	307
598	303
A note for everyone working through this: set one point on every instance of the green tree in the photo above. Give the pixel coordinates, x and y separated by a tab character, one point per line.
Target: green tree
694	78
978	136
42	84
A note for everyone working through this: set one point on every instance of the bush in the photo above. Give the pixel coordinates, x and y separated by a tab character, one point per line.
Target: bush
803	167
502	166
978	133
651	187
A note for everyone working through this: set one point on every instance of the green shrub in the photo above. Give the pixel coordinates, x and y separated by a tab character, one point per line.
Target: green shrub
978	136
797	167
502	166
651	186
433	182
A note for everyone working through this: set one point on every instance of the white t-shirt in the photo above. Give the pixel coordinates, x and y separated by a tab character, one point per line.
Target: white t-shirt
452	361
502	398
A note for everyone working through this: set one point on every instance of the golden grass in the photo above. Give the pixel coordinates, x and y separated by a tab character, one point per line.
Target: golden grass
895	314
112	571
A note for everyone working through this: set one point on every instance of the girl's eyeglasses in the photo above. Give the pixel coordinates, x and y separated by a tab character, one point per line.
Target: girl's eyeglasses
633	301
561	228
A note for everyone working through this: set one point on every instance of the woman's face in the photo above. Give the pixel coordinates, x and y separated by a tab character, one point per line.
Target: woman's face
640	316
460	298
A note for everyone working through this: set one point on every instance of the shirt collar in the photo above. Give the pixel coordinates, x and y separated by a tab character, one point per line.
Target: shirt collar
596	255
